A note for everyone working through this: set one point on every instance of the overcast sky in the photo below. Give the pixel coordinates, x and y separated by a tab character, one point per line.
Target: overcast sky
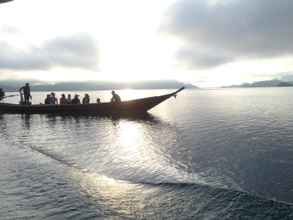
205	42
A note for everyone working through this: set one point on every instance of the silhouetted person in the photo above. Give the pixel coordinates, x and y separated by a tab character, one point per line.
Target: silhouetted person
2	94
48	100
69	99
63	100
98	100
25	91
86	99
54	100
115	97
75	100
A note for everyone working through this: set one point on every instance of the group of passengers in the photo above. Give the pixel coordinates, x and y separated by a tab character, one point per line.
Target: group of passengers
51	99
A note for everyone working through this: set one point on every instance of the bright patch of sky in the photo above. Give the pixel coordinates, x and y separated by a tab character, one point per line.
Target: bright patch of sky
204	42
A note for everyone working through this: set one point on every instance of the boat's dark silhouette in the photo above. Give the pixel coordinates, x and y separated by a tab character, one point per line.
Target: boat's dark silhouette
133	107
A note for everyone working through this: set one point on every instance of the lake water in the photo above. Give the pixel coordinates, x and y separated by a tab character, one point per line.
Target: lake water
209	154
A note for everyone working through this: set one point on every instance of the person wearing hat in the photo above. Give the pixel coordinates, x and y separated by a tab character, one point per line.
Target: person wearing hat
25	91
75	100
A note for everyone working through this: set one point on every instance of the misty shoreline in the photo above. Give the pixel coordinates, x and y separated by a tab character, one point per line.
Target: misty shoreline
13	85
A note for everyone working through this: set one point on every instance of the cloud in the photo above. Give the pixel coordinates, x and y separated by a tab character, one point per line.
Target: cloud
3	1
9	30
214	34
287	76
77	51
190	57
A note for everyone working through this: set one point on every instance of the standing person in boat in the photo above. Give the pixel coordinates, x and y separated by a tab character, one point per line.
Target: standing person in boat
2	94
75	100
26	92
86	99
54	100
69	99
115	97
63	100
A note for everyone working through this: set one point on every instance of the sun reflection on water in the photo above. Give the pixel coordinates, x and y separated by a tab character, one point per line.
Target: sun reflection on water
117	196
130	134
134	144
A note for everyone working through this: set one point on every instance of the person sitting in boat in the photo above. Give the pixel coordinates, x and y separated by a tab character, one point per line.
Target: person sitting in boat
54	100
69	99
2	94
115	97
75	100
63	100
48	100
25	91
86	99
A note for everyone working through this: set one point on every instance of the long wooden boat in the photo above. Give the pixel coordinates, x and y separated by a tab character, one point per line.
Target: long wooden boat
132	107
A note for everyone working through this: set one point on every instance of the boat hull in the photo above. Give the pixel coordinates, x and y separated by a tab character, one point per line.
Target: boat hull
133	107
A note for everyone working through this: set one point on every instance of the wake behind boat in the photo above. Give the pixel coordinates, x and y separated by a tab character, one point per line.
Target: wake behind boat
137	106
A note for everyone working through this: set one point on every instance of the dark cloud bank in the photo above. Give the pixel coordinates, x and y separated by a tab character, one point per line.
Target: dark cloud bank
77	51
230	30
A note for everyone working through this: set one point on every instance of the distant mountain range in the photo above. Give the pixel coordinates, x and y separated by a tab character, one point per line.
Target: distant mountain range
268	83
14	85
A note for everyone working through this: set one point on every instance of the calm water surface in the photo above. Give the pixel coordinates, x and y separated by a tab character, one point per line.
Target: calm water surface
209	154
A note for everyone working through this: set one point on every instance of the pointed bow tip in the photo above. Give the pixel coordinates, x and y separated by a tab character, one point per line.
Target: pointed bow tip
179	90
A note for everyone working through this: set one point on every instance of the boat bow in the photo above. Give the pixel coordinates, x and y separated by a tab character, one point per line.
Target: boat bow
147	104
